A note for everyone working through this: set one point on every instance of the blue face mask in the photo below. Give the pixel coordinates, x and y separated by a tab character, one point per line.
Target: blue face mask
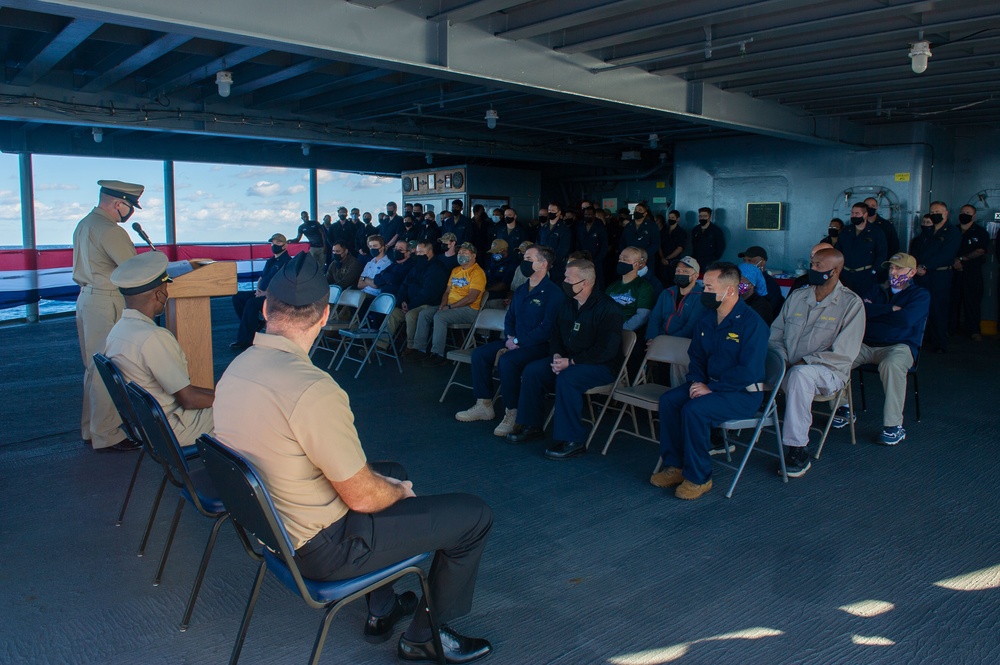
498	257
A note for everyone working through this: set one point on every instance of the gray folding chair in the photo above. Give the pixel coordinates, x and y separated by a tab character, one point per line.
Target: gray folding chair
351	299
644	395
835	400
321	339
621	379
382	305
766	417
488	320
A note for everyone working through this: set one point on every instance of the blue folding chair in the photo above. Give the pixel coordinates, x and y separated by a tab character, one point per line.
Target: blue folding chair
194	484
251	509
383	305
321	341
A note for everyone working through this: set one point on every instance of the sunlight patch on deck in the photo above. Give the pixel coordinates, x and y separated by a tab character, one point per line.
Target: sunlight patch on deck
872	641
867	608
978	580
675	651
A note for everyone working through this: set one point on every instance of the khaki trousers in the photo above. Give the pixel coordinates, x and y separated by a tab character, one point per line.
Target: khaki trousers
97	311
893	364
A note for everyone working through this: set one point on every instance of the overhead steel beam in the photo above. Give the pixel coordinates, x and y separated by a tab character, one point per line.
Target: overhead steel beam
294	93
473	10
899	94
464	52
209	69
61	45
304	67
573	19
156	49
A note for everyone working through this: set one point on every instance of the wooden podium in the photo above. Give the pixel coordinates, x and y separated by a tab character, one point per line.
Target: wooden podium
189	314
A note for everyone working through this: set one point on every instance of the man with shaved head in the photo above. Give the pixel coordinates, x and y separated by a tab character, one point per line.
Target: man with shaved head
818	334
802	281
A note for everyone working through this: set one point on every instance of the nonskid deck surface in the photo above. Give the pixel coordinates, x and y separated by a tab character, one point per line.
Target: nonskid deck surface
877	555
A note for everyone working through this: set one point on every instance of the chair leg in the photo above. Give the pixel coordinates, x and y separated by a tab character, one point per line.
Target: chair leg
451	380
850	406
597	422
614	430
429	608
781	448
131	484
152	516
916	395
834	405
201	571
170	541
248	613
552	414
746	455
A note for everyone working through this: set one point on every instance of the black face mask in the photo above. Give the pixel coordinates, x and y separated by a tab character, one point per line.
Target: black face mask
526	268
419	258
124	218
927	230
964	219
673	222
368	221
277	249
833	231
936	217
568	289
857	221
817	278
552	215
872	211
682	280
398	255
623	268
510	220
709	301
408	224
342	217
704	222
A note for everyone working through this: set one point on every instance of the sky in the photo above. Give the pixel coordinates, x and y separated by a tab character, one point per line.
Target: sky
215	202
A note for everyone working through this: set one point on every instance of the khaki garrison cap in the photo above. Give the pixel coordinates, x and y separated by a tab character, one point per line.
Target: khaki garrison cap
126	191
143	272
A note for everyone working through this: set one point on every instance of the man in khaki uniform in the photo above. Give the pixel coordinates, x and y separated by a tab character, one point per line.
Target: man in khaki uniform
150	355
99	246
345	517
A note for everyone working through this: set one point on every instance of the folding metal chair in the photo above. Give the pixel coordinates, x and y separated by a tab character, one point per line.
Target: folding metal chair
766	417
382	305
253	511
644	395
321	339
488	320
621	379
194	485
835	400
351	299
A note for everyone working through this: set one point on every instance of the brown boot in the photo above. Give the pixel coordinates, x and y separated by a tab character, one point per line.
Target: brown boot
668	477
690	491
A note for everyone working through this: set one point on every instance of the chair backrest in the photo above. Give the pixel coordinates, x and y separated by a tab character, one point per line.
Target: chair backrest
491	319
249	504
159	436
628	345
115	383
669	349
383	304
335	292
774	370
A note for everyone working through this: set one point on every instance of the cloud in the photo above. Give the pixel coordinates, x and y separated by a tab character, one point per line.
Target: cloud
327	176
262	171
53	186
264	188
373	181
217	167
295	189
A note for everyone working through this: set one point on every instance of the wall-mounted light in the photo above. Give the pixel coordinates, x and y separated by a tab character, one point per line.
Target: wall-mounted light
429	157
919	52
305	149
224	80
491	118
654	141
98	134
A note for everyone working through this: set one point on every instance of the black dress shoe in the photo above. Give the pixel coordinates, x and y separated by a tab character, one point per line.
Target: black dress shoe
565	450
379	629
434	360
457	648
525	434
416	356
123	446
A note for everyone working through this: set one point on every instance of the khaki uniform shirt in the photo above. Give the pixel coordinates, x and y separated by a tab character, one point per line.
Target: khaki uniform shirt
827	333
99	246
151	357
295	425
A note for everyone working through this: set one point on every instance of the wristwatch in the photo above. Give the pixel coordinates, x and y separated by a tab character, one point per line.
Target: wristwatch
515	341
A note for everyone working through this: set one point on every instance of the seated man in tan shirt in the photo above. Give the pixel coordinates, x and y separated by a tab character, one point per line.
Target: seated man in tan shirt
345	517
150	355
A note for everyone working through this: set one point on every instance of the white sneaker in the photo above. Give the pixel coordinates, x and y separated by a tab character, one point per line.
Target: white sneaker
506	425
482	410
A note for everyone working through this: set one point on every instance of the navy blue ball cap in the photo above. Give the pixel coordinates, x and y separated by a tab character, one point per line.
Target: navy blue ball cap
300	282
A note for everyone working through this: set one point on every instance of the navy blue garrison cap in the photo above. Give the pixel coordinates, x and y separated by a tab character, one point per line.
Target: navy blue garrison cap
300	282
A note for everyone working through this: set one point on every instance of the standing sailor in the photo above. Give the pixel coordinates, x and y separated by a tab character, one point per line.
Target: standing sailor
99	246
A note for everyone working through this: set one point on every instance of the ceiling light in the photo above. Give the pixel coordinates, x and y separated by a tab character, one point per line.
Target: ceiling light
305	149
654	141
224	80
429	157
98	134
491	118
919	52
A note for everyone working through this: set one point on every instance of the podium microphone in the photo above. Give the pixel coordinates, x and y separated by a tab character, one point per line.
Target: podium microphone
142	234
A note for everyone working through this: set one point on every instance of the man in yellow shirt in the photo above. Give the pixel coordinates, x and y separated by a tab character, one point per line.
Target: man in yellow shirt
463	296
